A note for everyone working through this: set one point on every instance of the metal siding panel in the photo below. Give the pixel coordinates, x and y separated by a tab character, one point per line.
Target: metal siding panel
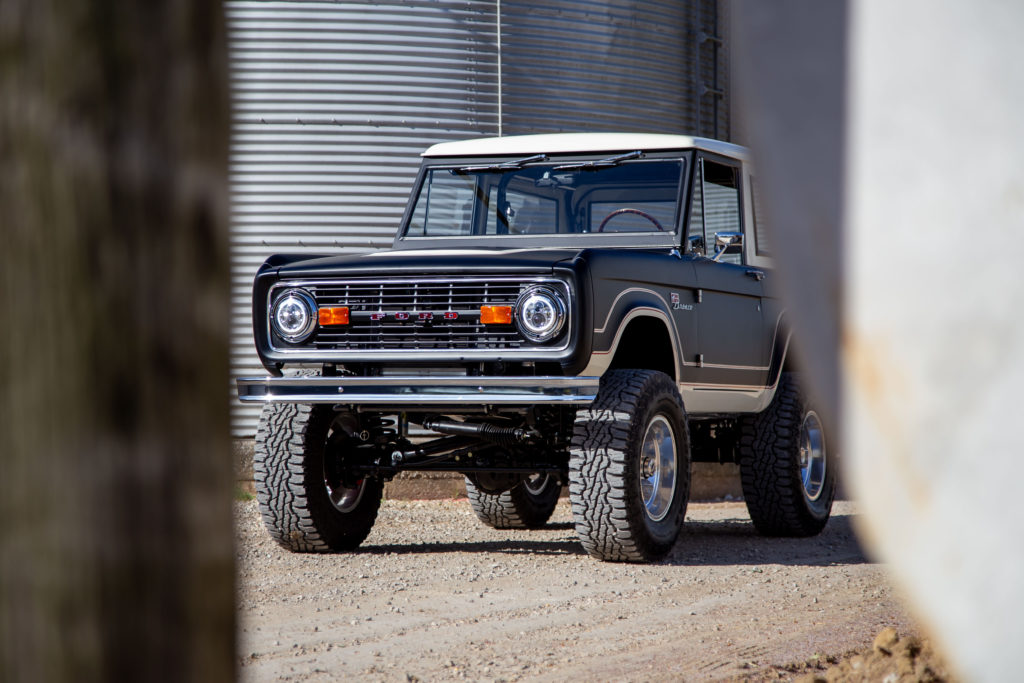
332	105
712	69
575	65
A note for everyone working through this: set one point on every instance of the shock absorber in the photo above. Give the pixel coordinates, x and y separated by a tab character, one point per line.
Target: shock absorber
502	436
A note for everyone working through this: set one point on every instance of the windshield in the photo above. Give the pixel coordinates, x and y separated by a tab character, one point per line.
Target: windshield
510	199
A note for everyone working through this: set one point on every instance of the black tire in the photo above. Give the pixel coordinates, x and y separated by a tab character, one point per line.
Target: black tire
606	458
783	497
527	505
292	482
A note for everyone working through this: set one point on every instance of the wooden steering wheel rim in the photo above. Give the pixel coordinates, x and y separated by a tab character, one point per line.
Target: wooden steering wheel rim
623	210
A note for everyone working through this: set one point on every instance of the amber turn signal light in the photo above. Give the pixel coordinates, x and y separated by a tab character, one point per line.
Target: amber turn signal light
496	315
335	315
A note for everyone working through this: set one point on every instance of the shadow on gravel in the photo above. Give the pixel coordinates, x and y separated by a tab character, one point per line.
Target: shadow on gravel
735	542
509	547
724	542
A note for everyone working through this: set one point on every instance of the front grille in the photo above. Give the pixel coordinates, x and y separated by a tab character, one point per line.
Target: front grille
389	315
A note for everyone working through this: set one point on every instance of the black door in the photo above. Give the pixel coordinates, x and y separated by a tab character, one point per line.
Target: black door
732	347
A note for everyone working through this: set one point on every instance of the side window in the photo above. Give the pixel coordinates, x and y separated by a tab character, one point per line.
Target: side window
695	231
760	232
721	206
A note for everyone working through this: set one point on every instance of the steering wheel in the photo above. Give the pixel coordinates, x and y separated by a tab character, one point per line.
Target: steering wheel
638	212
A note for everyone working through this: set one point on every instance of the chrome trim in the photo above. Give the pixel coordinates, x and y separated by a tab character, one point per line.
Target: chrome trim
412	390
303	297
557	303
724	240
523	353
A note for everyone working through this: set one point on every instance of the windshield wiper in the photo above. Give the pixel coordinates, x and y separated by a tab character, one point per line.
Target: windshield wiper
600	163
513	165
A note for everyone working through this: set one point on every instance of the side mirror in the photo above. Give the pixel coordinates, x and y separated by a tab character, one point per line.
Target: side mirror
728	243
695	245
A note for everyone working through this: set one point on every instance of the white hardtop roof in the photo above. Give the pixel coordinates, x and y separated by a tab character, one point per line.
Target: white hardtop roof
581	143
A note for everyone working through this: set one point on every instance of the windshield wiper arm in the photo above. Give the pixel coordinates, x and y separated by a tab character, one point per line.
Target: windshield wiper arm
600	163
513	165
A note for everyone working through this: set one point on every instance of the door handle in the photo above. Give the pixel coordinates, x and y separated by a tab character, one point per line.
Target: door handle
756	274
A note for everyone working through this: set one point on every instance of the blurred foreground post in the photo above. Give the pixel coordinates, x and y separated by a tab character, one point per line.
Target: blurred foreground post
116	558
927	329
791	99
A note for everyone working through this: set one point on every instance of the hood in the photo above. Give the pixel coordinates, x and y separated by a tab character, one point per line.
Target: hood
426	261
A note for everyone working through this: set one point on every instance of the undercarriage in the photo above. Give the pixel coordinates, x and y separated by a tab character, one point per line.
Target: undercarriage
496	451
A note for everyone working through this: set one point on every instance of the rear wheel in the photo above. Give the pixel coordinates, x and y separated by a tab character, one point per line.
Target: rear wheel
629	467
787	472
309	500
527	505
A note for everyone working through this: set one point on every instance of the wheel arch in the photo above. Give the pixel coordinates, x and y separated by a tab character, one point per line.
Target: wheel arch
645	342
782	357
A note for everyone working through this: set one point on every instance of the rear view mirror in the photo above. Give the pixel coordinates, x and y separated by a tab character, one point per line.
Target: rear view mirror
728	243
695	244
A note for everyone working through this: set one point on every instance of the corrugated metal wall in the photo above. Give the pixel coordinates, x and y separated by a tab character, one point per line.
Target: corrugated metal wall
334	101
585	65
709	74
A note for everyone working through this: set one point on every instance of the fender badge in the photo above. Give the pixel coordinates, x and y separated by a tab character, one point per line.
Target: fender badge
676	306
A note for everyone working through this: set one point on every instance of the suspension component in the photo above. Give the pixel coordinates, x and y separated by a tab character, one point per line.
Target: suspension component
434	451
502	436
380	429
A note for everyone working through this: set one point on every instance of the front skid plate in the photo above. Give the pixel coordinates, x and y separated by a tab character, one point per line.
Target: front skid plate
418	391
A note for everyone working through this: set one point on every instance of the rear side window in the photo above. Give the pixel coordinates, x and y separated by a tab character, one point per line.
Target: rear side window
716	206
760	232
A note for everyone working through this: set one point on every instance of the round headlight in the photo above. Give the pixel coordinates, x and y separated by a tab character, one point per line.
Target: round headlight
540	314
293	315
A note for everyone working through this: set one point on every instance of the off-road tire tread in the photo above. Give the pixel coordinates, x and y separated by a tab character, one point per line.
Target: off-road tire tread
512	509
283	440
768	452
598	462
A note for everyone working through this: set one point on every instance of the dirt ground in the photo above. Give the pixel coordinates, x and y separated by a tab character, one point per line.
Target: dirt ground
433	595
891	658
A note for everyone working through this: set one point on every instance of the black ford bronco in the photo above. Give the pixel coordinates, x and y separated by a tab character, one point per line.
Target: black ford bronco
579	309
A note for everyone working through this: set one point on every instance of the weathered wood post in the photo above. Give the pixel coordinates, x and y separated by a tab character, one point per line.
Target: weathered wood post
116	558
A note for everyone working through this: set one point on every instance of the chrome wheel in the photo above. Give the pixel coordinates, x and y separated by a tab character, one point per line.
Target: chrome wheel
812	456
658	465
342	498
536	483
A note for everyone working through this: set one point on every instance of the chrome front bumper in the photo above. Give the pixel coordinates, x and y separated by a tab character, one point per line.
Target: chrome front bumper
420	391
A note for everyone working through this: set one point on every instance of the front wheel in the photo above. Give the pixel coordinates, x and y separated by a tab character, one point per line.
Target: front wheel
527	505
308	499
629	468
787	472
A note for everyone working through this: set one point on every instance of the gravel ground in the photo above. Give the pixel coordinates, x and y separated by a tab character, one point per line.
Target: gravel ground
433	595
